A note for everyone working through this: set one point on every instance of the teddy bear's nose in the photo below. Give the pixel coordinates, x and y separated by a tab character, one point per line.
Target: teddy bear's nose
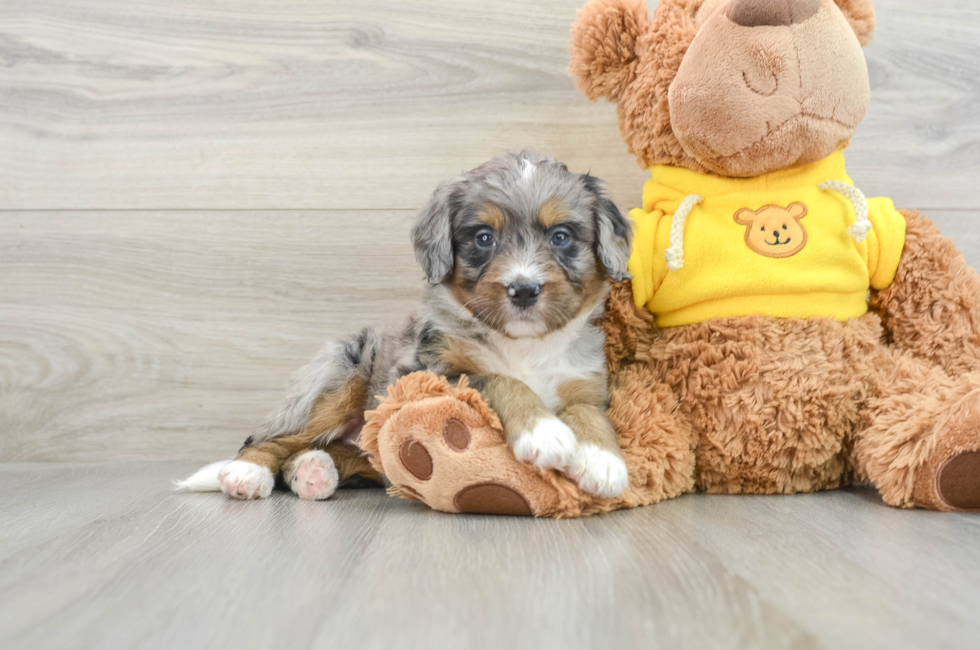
756	13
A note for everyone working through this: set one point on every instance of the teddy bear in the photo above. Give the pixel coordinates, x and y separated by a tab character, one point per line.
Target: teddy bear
781	332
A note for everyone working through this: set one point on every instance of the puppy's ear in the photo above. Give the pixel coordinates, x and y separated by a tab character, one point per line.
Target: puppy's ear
614	231
861	16
432	235
604	40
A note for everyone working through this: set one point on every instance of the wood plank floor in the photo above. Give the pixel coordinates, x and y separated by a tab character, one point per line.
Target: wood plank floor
105	556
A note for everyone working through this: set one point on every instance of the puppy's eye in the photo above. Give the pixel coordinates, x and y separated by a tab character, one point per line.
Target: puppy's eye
484	239
561	239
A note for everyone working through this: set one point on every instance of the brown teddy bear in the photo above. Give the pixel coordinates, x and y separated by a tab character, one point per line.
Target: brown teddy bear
782	333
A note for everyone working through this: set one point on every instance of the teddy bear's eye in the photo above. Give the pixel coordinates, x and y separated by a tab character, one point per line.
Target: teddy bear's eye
763	229
784	226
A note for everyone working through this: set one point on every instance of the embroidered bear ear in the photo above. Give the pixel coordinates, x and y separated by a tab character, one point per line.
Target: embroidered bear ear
861	16
797	210
604	46
745	217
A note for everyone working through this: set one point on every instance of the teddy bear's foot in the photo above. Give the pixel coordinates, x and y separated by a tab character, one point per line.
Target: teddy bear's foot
442	445
446	454
959	481
950	478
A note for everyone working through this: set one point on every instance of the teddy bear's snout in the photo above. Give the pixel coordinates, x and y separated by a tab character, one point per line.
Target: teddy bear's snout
757	13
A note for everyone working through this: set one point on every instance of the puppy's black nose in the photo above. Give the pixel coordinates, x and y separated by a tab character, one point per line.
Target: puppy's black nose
523	294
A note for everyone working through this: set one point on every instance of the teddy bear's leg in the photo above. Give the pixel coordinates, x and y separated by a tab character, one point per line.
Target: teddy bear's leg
920	437
443	445
656	440
932	308
629	330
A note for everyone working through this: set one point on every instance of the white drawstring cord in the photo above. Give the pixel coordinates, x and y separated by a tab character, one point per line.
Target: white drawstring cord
675	253
859	230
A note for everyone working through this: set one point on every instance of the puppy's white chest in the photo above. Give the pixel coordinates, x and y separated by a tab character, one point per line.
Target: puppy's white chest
543	364
542	374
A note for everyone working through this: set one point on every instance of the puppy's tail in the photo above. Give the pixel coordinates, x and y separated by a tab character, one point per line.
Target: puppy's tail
205	479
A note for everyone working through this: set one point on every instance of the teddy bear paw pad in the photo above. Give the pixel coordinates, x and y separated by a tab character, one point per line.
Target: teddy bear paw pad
959	481
447	454
456	434
416	459
492	499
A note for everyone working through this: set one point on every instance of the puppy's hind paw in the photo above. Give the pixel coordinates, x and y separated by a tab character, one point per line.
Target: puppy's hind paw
550	444
312	475
244	480
599	472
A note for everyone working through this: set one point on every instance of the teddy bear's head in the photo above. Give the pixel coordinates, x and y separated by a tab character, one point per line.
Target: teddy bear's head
732	87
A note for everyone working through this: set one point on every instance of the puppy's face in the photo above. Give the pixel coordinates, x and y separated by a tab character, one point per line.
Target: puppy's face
523	244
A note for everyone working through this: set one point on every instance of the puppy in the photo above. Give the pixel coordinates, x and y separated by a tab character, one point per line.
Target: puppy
518	254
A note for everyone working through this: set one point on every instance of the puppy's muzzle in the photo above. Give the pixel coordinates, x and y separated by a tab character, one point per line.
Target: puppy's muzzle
523	294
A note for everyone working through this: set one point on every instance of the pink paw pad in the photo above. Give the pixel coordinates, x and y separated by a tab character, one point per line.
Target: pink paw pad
315	476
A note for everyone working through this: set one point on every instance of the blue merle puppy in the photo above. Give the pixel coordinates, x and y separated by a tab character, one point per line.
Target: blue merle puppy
519	254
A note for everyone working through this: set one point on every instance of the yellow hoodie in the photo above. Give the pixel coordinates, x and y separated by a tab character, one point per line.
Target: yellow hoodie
792	244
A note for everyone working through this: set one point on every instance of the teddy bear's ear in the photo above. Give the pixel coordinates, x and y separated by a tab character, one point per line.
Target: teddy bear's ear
861	15
604	40
745	217
797	210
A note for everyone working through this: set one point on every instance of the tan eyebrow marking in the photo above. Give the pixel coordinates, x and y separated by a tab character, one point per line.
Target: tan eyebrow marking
492	216
552	213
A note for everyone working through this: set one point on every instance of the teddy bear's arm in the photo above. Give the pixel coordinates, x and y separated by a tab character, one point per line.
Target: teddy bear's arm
932	307
629	329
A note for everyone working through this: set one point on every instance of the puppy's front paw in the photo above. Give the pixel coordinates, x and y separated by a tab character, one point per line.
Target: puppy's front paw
598	471
244	480
313	475
549	444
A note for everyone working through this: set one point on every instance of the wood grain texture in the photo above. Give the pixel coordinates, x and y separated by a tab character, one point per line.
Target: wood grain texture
366	104
271	104
103	556
171	335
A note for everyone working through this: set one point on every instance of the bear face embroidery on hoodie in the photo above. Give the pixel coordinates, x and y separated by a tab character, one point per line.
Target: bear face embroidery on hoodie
774	231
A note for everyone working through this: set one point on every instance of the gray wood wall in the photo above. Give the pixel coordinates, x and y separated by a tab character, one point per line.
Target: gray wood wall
195	194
